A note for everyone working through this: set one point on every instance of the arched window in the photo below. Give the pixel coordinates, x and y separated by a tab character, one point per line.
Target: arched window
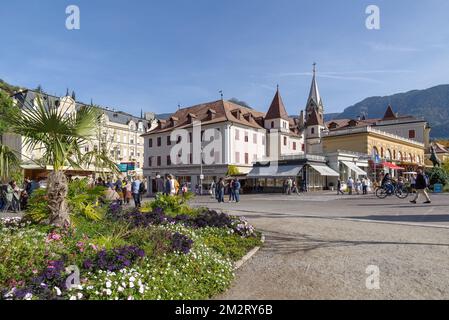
388	155
272	124
381	152
312	130
401	158
375	151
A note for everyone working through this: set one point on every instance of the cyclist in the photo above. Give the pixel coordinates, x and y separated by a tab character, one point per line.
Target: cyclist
387	183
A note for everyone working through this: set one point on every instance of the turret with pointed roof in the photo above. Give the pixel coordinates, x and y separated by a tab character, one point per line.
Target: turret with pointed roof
277	108
389	114
314	102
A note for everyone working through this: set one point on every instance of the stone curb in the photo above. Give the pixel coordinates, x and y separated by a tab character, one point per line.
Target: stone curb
249	255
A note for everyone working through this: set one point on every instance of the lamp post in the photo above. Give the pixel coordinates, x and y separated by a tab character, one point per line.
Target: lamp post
201	172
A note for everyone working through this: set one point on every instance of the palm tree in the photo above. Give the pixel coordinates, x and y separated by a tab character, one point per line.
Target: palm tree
9	162
60	134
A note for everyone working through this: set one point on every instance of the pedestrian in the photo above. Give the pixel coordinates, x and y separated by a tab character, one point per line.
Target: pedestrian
119	186
159	184
172	185
142	189
364	185
350	185
289	186
236	188
413	183
231	191
421	185
221	189
295	188
167	185
127	191
212	188
135	187
358	186
339	187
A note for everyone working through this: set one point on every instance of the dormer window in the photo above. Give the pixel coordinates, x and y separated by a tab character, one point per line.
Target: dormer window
248	117
191	117
236	113
211	114
353	123
333	125
173	121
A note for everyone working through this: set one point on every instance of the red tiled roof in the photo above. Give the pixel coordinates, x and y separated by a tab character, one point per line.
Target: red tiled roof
277	109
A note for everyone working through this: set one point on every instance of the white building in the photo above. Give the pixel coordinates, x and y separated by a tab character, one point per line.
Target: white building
241	137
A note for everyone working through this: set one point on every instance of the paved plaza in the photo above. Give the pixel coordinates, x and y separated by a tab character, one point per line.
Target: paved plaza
319	246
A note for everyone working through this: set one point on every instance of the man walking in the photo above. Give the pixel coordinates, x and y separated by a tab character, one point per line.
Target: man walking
221	188
135	189
237	187
339	187
421	186
350	185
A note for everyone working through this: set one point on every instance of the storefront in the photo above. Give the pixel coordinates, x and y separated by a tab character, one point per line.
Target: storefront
309	175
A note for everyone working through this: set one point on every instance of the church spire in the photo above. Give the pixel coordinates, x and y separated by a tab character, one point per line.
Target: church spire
314	95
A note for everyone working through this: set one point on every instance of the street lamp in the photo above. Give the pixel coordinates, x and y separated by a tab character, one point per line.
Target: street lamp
201	172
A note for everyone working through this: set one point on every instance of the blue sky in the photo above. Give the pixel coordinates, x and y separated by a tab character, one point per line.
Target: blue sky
154	55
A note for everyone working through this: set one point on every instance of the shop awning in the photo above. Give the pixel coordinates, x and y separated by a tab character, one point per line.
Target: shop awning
325	170
275	171
392	166
352	166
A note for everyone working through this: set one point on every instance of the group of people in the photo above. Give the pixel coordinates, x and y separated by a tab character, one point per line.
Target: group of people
358	186
123	190
419	183
15	197
218	190
290	186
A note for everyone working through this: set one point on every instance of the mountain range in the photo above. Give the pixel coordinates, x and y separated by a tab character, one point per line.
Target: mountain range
431	104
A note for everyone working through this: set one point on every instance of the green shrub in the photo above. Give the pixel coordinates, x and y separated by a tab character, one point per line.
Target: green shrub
437	175
171	205
37	210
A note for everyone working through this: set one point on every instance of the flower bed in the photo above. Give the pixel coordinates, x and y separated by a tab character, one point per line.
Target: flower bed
129	254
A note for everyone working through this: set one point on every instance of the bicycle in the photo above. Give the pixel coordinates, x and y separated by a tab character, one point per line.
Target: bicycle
400	191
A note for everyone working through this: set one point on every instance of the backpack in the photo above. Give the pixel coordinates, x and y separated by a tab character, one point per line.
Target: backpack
142	188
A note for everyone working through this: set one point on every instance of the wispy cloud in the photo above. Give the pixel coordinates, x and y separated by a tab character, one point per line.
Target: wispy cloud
390	47
358	75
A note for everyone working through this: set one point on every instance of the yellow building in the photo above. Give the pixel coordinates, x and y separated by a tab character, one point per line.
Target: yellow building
386	151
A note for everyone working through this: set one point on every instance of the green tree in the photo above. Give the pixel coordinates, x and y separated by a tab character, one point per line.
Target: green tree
232	171
9	160
60	136
438	175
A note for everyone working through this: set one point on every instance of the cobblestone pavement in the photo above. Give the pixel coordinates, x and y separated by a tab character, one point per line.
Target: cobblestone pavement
319	246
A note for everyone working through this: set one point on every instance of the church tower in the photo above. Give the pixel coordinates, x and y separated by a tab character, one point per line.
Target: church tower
314	118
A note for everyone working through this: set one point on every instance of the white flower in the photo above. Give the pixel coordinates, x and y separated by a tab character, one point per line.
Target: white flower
108	284
141	290
108	292
80	295
130	298
58	291
131	285
72	298
120	289
132	279
28	296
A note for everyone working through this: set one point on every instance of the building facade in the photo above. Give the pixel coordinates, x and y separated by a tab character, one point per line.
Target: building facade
119	132
267	148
